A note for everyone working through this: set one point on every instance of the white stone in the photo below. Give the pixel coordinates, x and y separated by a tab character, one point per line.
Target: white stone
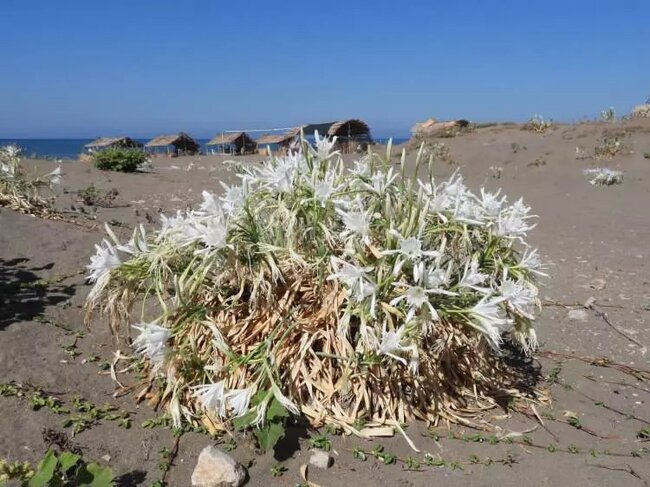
321	459
215	468
578	315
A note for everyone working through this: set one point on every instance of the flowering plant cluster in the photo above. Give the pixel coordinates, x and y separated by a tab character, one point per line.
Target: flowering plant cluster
16	191
339	293
538	124
603	176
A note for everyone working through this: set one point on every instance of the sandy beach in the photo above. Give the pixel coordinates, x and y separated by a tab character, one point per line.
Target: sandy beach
595	239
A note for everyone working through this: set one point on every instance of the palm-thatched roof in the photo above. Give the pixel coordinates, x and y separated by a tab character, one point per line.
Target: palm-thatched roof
180	139
282	138
104	142
349	128
231	138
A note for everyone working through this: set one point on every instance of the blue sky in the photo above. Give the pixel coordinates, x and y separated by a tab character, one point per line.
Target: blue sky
75	68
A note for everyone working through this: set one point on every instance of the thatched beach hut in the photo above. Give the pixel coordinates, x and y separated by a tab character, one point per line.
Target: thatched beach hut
280	143
173	145
232	143
104	143
352	135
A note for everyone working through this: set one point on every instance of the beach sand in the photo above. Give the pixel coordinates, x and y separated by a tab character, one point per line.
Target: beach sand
594	238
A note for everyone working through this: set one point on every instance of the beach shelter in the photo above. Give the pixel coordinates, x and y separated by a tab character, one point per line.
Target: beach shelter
282	142
232	143
173	145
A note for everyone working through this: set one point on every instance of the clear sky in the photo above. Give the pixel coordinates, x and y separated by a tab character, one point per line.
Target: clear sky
82	68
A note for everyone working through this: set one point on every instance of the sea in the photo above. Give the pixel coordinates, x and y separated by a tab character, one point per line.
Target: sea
71	148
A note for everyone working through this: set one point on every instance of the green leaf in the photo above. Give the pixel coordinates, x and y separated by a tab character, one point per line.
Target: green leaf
242	422
44	471
269	435
276	410
68	460
94	475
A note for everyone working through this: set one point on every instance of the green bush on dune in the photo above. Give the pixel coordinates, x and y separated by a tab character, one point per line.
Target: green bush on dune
120	159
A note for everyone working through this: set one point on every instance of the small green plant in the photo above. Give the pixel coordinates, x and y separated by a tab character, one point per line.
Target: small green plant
230	445
39	400
573	449
359	454
644	434
165	462
92	196
273	429
554	374
575	422
120	159
412	463
278	470
64	469
321	442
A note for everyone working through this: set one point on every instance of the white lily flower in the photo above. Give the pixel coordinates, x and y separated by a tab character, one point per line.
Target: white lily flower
354	277
324	189
7	170
530	261
512	226
214	236
11	151
467	211
417	296
437	201
55	176
520	298
491	203
212	397
278	176
210	205
454	187
239	400
472	278
381	181
487	318
152	341
410	248
137	244
357	222
233	198
324	146
391	346
284	400
103	262
361	167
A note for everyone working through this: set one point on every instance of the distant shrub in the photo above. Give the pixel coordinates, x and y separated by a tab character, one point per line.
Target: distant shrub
609	147
538	124
608	115
604	176
120	159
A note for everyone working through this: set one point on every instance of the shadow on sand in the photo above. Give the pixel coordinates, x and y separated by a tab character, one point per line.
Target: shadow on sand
24	295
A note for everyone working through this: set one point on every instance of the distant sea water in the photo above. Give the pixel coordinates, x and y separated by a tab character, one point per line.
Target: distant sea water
71	148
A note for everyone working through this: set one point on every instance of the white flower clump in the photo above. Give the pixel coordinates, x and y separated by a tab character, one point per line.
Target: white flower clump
409	257
604	176
151	342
